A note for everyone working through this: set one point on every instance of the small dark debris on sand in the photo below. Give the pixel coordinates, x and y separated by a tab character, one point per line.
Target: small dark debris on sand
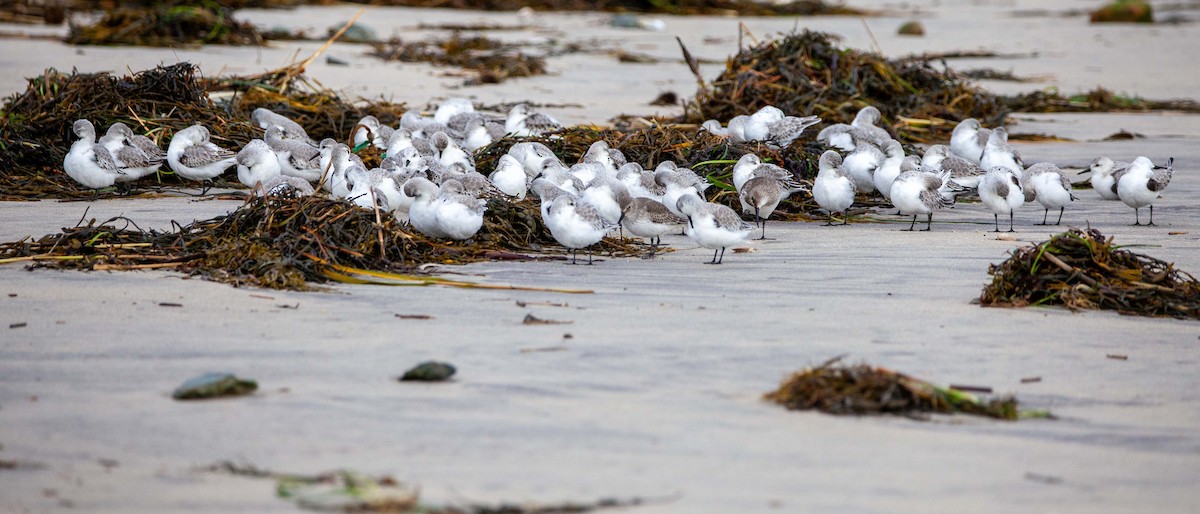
835	388
1081	269
429	371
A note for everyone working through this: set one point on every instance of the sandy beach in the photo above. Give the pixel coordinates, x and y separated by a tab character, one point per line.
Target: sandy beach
653	387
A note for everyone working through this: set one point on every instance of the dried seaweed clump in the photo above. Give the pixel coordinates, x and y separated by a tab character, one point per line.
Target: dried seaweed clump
167	24
839	389
493	60
807	73
1083	270
287	243
1096	100
709	155
719	7
35	129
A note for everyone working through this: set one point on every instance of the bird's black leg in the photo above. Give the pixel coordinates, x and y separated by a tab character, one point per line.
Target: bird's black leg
589	251
1060	213
996	220
1136	219
1010	221
928	223
913	224
714	259
1045	217
1151	216
722	259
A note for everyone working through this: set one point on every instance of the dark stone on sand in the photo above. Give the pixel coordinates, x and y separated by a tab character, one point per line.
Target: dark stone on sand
429	371
214	385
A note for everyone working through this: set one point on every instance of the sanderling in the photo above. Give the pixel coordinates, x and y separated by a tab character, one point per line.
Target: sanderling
296	158
473	183
575	224
509	177
781	133
341	159
266	118
1103	178
847	136
763	194
917	191
1000	191
445	212
532	155
997	152
887	172
1142	183
833	188
599	152
285	187
1048	185
370	130
969	140
676	184
962	171
256	163
420	127
366	188
769	124
712	225
586	172
750	166
523	121
90	163
608	196
636	180
192	156
560	176
646	217
135	154
862	163
452	107
479	133
452	155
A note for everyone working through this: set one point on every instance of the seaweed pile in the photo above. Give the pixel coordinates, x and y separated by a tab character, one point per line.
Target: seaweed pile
35	131
32	12
1096	100
808	73
493	60
706	154
1082	269
167	24
283	243
856	390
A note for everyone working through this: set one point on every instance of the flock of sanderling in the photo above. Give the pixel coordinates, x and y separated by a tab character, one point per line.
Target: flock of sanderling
428	176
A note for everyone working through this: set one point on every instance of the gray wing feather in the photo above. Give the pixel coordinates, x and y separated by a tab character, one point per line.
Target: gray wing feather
133	158
959	167
727	218
104	159
198	155
1159	180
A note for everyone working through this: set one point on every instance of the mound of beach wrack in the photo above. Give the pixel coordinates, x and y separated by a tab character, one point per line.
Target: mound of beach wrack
1082	269
175	23
809	73
36	130
835	388
293	243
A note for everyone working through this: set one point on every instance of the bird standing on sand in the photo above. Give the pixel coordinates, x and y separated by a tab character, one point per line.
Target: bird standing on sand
192	156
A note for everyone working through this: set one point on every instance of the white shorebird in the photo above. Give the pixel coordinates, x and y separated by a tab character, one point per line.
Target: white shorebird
862	163
523	121
256	164
676	184
846	136
712	226
296	158
962	171
509	177
763	194
887	172
365	187
451	155
89	163
266	118
750	166
285	187
1103	178
532	156
608	196
917	191
600	153
136	155
575	224
1048	185
478	133
969	140
452	107
997	152
1142	183
646	217
419	126
1000	191
370	130
192	156
833	188
445	212
769	125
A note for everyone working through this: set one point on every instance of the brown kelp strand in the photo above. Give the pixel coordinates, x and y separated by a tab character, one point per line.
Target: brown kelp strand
835	388
809	73
166	24
284	243
493	60
1081	269
35	131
